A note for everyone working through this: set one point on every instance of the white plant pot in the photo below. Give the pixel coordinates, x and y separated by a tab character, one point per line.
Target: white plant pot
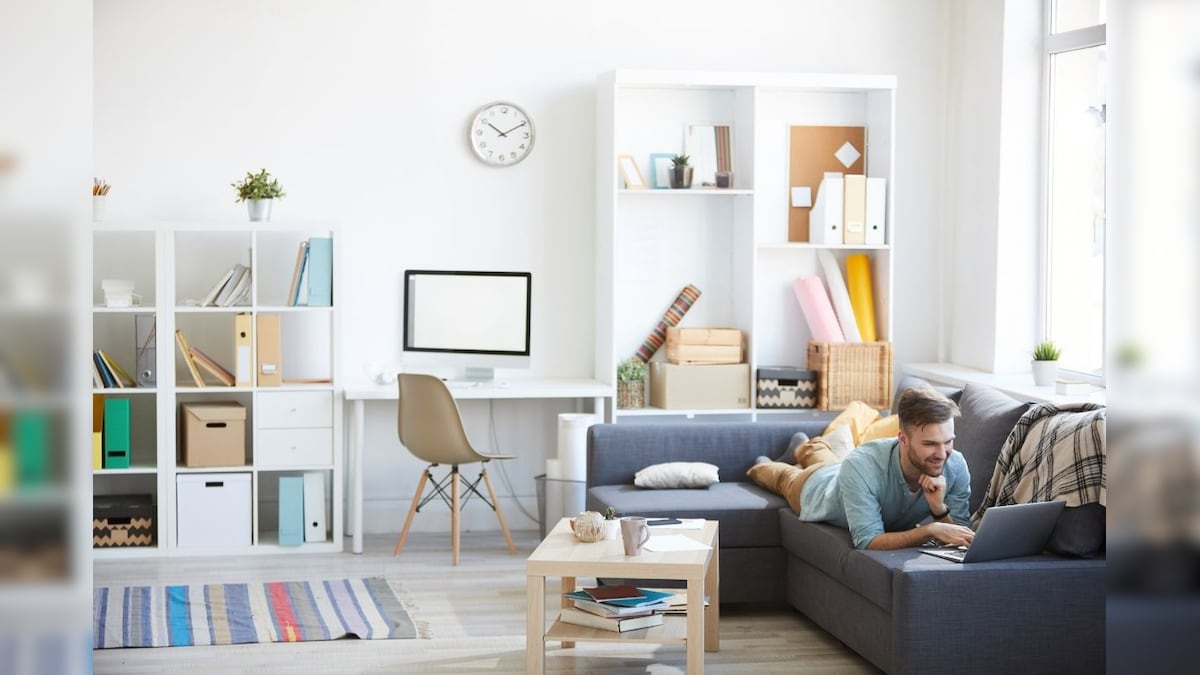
260	209
612	529
1045	373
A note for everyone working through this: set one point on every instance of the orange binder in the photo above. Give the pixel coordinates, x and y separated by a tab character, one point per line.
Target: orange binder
243	361
812	151
269	371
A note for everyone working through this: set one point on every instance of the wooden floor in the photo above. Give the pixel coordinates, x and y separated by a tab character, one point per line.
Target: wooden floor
474	615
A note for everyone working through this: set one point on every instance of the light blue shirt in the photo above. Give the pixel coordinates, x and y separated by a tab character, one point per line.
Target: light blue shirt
867	494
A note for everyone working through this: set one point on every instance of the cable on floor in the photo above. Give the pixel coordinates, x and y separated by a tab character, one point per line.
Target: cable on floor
495	443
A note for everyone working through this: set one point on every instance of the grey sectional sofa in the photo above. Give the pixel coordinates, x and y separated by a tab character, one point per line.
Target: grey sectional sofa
903	611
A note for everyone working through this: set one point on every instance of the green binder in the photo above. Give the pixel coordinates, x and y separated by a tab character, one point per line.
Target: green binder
116	433
31	440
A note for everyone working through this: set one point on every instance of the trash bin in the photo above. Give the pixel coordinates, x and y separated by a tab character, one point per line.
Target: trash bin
558	499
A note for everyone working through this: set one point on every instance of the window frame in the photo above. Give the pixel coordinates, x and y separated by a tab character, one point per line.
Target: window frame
1052	44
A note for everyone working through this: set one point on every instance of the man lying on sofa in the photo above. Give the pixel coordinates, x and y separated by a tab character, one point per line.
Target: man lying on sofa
876	491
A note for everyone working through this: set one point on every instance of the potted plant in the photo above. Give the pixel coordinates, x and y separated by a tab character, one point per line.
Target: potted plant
631	384
257	190
1045	363
681	172
612	526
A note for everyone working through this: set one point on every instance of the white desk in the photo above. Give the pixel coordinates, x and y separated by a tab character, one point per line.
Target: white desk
538	388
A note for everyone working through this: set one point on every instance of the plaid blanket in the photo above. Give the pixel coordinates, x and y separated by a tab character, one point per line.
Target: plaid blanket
1053	453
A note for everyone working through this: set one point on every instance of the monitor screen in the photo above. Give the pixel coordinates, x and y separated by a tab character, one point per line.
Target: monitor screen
460	312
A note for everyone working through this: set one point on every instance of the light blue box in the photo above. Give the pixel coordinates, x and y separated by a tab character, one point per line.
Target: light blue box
291	510
320	272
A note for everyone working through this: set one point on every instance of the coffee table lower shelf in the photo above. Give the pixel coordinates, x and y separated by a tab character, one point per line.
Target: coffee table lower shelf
672	631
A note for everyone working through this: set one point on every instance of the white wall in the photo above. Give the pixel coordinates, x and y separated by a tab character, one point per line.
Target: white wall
361	109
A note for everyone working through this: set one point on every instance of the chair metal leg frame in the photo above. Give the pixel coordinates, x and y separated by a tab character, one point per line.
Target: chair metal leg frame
452	500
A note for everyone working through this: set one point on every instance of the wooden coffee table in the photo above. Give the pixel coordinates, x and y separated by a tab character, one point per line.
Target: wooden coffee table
562	555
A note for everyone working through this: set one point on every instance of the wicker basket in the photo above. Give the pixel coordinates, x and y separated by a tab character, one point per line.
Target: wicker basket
852	371
631	394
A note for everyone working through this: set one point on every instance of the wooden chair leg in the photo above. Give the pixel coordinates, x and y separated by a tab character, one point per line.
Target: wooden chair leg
454	504
499	514
412	510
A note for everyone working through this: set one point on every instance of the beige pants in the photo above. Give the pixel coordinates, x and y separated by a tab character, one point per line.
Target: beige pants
787	480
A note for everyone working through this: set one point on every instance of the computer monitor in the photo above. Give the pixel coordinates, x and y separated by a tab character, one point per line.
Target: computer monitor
479	320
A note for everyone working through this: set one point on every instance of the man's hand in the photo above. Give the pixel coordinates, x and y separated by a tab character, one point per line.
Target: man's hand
949	533
935	492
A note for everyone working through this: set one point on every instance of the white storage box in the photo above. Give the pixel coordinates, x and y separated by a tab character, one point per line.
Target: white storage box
213	510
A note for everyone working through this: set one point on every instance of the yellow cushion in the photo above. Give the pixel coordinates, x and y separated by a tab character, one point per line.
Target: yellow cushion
858	415
885	427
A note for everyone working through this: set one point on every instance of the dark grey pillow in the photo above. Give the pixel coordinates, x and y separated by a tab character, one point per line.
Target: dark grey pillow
988	417
1079	531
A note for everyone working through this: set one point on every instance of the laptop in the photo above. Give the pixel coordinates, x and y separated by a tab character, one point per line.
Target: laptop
1007	532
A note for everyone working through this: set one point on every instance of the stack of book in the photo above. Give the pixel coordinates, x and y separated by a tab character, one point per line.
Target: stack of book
616	608
233	288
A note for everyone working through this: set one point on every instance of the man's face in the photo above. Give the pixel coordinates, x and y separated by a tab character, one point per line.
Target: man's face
927	448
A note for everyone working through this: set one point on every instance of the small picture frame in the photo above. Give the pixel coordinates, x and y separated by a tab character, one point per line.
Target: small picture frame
660	170
630	173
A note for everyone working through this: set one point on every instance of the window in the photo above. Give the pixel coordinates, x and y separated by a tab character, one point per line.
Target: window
1073	298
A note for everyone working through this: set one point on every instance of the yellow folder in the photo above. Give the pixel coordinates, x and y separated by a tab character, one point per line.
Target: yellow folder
855	209
858	282
97	450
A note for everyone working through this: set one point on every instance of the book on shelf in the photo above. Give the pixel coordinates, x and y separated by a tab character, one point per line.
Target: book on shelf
226	293
614	624
186	351
623	595
118	371
609	609
211	297
294	287
320	272
241	290
215	369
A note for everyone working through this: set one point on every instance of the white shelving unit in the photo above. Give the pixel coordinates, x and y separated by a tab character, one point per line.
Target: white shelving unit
173	265
732	244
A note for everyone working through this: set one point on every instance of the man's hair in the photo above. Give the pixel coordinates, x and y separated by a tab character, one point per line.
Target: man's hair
924	405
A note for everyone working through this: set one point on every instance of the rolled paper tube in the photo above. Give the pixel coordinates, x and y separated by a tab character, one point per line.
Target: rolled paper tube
818	312
858	281
656	338
839	295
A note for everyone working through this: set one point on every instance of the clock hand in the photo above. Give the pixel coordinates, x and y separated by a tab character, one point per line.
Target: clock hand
512	129
503	134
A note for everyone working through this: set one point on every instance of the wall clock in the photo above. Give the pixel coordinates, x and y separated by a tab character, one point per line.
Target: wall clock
501	134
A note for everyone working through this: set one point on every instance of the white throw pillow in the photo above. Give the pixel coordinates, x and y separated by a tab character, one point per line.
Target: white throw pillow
841	441
677	475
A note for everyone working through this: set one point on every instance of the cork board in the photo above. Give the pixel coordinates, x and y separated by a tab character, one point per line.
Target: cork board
813	150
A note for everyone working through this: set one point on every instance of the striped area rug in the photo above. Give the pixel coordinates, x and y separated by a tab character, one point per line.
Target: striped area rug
222	614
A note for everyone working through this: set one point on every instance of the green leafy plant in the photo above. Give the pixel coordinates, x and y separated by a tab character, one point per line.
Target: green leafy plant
1046	351
258	186
610	513
680	160
631	370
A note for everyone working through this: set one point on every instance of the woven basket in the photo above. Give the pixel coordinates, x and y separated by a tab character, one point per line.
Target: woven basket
631	394
852	371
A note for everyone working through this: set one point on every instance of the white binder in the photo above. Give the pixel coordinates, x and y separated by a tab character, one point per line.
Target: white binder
826	219
314	506
876	210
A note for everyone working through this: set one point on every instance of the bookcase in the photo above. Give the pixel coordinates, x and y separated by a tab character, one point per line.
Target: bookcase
292	428
731	243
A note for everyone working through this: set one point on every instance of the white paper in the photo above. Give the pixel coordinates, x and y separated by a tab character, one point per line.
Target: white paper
802	197
674	542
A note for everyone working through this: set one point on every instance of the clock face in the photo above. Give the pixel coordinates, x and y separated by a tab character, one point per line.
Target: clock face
501	134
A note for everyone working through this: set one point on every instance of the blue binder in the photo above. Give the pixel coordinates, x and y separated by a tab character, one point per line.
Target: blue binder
320	272
291	510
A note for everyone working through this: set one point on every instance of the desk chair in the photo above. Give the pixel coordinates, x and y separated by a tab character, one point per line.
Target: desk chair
429	425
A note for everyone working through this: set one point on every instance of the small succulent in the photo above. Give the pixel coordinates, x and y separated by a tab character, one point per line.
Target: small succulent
631	370
610	513
258	186
680	160
1046	351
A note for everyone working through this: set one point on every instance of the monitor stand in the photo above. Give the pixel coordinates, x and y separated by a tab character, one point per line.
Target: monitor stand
480	375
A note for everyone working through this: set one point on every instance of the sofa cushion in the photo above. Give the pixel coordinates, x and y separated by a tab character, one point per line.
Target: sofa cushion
747	514
884	427
677	475
988	417
858	416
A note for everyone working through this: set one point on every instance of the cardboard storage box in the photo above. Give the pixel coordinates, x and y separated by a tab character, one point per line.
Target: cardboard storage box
122	520
214	434
704	345
786	387
699	387
213	510
852	371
